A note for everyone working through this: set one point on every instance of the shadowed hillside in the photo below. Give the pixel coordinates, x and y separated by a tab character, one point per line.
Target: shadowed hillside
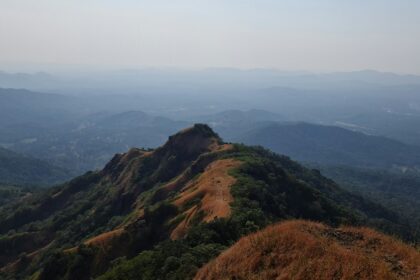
19	169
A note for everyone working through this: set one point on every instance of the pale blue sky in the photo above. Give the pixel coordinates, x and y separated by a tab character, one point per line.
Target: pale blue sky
322	35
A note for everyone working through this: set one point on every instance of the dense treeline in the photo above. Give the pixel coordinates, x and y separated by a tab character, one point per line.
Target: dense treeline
394	189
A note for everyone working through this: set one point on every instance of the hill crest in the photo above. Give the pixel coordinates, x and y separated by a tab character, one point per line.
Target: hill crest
308	250
192	191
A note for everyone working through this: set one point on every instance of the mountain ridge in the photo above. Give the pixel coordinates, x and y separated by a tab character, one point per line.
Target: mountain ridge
195	190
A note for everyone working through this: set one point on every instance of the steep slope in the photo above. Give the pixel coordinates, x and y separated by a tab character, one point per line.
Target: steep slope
308	250
382	169
20	169
396	190
10	193
129	193
332	145
179	204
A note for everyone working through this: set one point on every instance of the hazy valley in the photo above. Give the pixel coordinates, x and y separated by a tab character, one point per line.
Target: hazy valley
209	140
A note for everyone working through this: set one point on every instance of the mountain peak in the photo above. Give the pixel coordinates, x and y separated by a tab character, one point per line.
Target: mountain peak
200	129
199	137
167	161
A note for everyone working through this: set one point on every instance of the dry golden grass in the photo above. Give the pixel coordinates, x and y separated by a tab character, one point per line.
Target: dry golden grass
104	239
308	250
213	188
183	226
220	148
184	177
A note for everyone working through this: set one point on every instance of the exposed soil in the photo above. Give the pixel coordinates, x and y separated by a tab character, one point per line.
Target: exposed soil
103	239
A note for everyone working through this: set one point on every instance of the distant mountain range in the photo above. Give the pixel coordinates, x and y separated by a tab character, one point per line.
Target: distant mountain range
216	77
53	128
332	146
232	123
90	142
73	134
18	106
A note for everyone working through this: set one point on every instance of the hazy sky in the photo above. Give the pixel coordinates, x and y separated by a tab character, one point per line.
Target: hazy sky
321	35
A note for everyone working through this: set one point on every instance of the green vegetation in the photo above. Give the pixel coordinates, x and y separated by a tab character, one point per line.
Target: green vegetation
394	189
23	170
10	193
129	195
264	193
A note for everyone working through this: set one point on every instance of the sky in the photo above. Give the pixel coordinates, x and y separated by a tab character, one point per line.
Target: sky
322	35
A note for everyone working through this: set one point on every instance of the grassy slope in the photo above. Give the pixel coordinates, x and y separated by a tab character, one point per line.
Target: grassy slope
131	206
308	250
269	188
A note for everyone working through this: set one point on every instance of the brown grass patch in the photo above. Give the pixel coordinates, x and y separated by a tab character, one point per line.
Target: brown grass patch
307	250
185	176
104	239
213	190
220	148
182	227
